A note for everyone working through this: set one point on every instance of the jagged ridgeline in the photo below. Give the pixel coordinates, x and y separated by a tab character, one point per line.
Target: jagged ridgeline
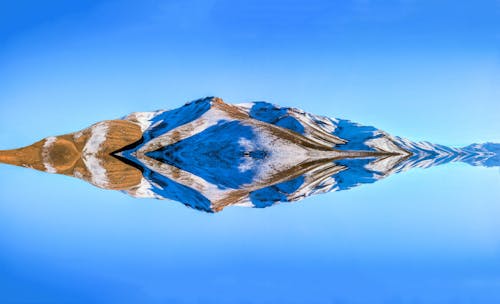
208	154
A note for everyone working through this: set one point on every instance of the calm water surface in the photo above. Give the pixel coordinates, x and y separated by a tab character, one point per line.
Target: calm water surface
424	236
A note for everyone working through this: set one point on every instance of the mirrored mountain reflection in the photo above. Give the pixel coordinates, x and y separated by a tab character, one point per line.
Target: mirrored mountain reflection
208	154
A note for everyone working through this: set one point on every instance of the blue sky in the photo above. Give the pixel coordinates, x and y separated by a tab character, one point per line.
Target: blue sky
426	70
368	61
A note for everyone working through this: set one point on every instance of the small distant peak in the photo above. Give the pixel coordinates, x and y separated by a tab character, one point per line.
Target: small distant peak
485	154
488	147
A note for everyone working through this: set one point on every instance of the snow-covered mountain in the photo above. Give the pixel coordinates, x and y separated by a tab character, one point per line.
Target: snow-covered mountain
209	154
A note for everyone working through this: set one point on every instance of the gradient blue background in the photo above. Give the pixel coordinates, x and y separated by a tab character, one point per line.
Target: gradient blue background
426	70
